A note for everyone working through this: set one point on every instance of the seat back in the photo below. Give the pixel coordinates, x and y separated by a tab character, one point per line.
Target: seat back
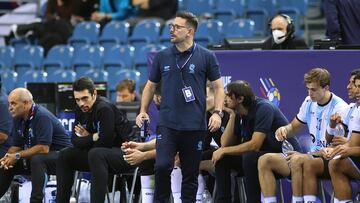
58	57
240	28
6	57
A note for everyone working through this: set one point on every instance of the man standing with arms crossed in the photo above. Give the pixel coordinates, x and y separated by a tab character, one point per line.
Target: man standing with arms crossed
183	69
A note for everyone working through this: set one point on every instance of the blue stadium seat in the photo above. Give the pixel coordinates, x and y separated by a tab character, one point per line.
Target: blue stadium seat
228	10
270	6
182	5
19	44
118	57
88	57
121	75
59	57
141	56
260	17
240	28
61	76
9	79
141	60
6	57
30	57
84	33
300	5
32	76
97	75
200	7
114	32
209	32
145	32
165	38
113	95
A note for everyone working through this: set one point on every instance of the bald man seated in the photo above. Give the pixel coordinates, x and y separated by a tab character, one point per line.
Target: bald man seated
37	137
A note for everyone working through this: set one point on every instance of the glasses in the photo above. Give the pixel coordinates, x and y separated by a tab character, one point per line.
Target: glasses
176	27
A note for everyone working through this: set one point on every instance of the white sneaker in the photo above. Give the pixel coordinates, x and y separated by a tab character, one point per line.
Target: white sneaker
13	30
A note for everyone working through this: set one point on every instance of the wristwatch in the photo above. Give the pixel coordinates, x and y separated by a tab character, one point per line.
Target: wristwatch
219	112
17	156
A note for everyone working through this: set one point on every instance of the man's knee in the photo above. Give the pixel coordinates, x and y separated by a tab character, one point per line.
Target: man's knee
250	160
65	153
313	166
37	159
297	161
337	165
265	162
95	154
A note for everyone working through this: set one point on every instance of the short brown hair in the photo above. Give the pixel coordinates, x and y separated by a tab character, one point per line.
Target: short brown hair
84	83
317	75
126	84
190	18
241	88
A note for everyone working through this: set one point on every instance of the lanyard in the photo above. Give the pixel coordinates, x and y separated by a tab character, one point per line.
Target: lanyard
27	132
182	67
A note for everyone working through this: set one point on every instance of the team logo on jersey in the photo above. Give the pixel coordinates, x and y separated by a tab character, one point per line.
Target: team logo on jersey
192	69
269	90
166	68
199	146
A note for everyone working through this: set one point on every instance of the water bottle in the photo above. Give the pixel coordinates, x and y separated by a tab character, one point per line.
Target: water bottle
286	147
339	130
206	197
144	132
357	198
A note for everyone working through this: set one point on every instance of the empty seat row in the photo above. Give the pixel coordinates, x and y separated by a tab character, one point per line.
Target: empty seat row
11	80
65	57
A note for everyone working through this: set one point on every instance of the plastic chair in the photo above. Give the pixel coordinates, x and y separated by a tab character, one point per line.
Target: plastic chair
97	75
9	79
6	57
269	6
145	32
61	76
114	32
200	7
240	28
228	10
118	57
32	76
209	31
88	57
134	174
165	37
59	57
30	57
260	17
84	33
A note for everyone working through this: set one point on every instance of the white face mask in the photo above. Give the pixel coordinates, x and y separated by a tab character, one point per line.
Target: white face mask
278	36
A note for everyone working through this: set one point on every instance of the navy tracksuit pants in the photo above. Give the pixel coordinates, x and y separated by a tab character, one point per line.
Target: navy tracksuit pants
189	144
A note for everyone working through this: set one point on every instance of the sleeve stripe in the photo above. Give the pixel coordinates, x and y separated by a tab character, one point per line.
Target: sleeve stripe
300	120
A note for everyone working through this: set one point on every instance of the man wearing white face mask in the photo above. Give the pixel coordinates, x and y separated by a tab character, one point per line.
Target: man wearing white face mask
282	29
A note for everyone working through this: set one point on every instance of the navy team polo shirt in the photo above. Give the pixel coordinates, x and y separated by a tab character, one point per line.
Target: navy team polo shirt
46	130
5	123
263	116
175	112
